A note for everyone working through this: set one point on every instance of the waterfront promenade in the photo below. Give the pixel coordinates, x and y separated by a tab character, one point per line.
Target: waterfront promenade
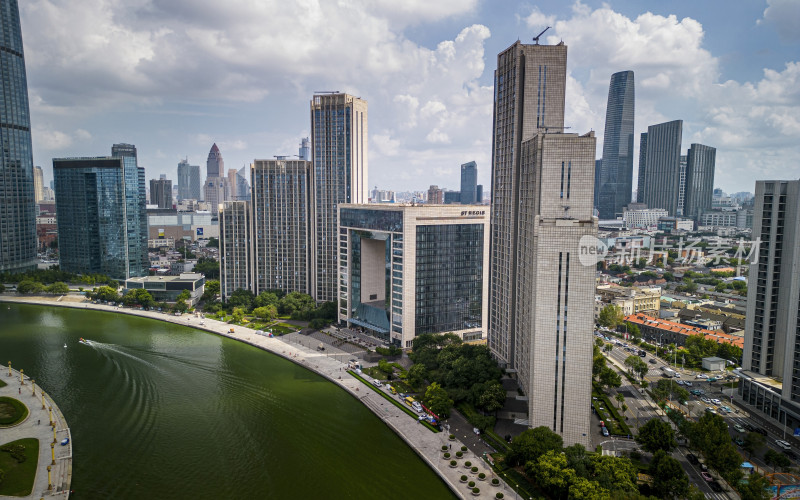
332	366
37	425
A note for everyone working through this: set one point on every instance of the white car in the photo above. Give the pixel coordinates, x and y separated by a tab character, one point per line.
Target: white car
702	375
783	444
716	402
687	383
376	383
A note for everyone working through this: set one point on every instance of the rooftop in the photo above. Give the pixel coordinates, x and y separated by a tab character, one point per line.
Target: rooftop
679	328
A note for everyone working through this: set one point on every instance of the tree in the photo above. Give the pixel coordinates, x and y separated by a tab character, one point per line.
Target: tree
578	459
668	476
207	266
385	368
237	315
712	437
180	305
633	329
532	444
583	489
656	435
774	459
753	441
266	299
58	288
417	375
609	378
266	313
493	396
755	488
620	399
212	243
211	290
241	298
437	400
106	293
637	366
611	316
551	473
29	287
613	473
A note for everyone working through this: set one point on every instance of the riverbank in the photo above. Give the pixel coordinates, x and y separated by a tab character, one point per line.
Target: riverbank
302	351
36	425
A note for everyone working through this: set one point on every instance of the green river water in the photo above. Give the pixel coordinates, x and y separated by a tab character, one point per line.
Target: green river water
159	410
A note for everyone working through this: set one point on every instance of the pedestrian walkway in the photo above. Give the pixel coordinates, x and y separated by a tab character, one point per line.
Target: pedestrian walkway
41	407
427	444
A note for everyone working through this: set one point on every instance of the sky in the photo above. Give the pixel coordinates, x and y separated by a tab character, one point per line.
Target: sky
175	76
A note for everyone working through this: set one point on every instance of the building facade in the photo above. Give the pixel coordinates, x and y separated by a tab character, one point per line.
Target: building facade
661	171
615	185
435	195
215	189
161	192
189	183
95	232
772	327
542	206
281	203
469	183
700	166
642	218
235	247
339	175
18	240
410	270
38	184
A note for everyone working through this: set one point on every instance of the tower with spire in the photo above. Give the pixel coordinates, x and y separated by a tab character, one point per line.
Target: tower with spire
215	189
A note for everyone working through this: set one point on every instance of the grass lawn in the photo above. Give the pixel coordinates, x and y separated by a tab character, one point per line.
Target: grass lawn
18	480
12	411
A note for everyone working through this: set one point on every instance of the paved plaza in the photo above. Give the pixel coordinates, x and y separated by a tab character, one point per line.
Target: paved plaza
37	425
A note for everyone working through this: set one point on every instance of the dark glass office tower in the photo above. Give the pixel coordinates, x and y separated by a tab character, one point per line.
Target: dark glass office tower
661	151
699	180
135	209
469	183
17	203
94	235
616	171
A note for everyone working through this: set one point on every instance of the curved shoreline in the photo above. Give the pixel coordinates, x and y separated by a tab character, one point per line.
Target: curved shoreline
425	444
39	403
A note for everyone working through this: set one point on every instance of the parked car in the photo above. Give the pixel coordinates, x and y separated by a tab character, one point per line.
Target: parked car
376	383
783	444
707	476
604	431
687	383
691	458
702	375
715	486
739	441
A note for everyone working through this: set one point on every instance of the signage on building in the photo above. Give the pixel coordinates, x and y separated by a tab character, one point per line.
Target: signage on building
199	231
472	212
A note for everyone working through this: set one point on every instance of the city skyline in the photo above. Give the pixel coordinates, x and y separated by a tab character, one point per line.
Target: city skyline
430	91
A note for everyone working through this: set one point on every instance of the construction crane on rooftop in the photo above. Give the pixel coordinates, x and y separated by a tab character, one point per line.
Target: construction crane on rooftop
536	38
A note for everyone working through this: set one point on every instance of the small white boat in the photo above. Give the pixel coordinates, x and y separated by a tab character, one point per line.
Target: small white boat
65	346
83	341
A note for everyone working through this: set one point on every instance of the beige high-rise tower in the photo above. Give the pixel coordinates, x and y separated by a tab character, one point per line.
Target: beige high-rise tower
338	175
541	295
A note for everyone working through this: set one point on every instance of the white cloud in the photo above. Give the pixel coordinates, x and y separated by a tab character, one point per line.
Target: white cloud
384	145
785	15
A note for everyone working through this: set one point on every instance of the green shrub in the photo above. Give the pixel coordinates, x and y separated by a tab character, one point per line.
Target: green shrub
474	470
468	464
453	463
481	476
444	447
499	495
495	481
476	490
446	455
471	484
464	478
459	454
463	448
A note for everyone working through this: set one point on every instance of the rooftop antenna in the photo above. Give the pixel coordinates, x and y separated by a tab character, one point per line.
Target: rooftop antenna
536	38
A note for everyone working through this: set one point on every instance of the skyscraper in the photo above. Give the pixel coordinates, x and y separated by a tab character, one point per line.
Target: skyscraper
469	183
161	192
642	176
236	239
339	175
215	188
660	173
38	184
189	184
304	152
772	324
681	186
616	171
542	205
435	195
18	241
700	167
281	196
95	233
135	199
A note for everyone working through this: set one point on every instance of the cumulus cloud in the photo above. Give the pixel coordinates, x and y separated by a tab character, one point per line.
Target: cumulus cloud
678	78
785	16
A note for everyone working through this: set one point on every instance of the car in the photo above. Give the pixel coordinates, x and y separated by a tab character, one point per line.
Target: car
679	382
687	383
652	361
702	375
604	431
783	444
739	441
760	431
711	410
703	467
476	431
677	375
790	454
376	383
715	486
691	458
716	401
705	400
707	476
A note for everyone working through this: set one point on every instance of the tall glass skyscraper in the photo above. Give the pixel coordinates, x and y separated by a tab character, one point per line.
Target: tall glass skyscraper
660	174
700	164
95	234
339	175
135	209
17	203
189	185
616	171
469	183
